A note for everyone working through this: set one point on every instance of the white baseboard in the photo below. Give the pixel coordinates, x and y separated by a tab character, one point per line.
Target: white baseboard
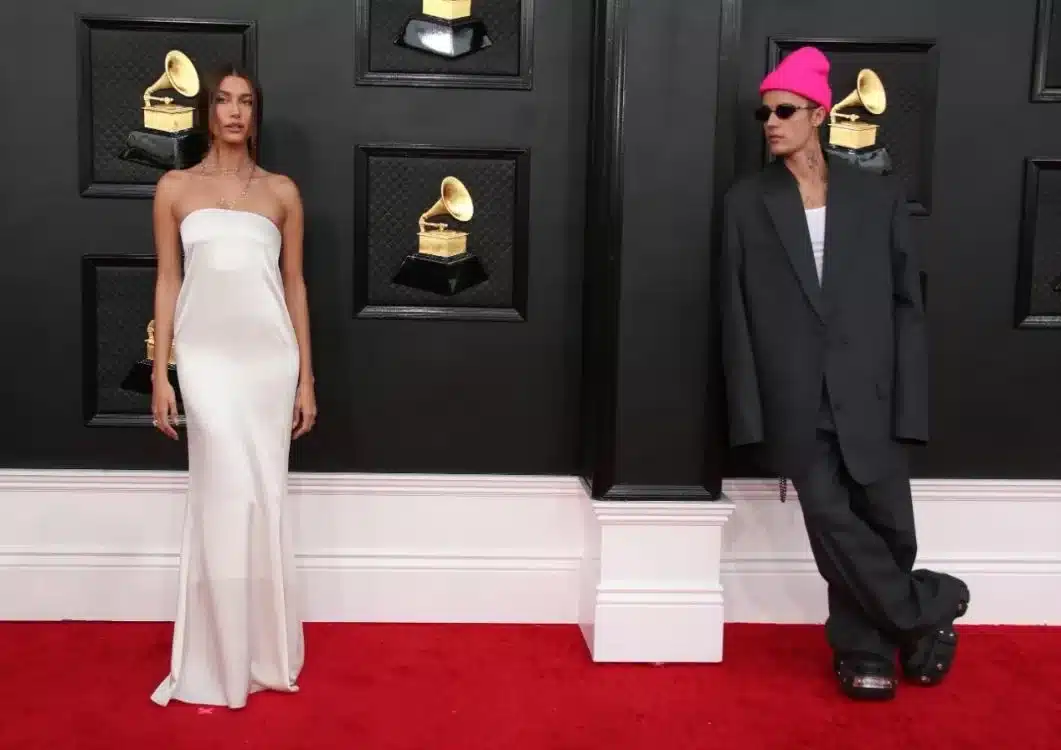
1003	537
104	546
92	545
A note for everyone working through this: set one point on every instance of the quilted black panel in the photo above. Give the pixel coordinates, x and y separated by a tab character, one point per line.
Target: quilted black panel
907	126
124	300
1039	276
123	57
401	187
1051	20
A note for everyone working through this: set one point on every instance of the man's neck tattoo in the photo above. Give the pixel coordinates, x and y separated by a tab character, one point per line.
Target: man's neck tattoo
817	167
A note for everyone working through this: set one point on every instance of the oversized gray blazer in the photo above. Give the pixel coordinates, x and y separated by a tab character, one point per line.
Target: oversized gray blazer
861	331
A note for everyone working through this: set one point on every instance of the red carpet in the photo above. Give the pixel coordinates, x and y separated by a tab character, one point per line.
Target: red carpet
83	686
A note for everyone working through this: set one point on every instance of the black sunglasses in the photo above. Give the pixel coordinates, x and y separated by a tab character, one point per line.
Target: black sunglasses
783	111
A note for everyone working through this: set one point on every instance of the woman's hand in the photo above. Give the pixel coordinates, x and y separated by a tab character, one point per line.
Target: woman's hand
164	407
305	410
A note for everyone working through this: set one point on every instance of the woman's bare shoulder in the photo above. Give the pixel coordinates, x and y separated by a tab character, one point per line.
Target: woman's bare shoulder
277	181
173	182
281	186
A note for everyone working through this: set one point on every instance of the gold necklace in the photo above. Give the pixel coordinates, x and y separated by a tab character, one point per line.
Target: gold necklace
218	169
227	204
224	202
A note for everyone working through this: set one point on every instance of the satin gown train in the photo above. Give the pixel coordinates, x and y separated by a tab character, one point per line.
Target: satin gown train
237	629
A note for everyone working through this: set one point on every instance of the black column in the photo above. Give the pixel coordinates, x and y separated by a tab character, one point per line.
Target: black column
652	413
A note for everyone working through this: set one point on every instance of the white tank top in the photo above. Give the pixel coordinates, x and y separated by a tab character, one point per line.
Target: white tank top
816	225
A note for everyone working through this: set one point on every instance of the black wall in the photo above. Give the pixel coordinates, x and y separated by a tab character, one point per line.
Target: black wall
606	153
406	381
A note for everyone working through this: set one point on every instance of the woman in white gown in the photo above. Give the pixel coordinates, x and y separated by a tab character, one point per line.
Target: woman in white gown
238	323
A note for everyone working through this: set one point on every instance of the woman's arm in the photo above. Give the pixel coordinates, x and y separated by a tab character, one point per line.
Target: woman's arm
168	273
291	270
167	287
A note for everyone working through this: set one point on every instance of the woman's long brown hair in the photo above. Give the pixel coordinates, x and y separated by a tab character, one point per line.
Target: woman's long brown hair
208	91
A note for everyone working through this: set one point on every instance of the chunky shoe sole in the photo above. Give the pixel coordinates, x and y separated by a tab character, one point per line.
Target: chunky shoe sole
866	679
930	659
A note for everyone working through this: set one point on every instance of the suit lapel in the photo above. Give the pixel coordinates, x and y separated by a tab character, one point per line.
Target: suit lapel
786	211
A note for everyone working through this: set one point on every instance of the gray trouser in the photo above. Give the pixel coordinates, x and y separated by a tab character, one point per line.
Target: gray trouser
864	545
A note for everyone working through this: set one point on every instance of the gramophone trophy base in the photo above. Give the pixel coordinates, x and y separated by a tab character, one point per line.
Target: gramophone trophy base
854	134
444	243
871	158
169	118
445	276
446	38
138	380
450	9
161	150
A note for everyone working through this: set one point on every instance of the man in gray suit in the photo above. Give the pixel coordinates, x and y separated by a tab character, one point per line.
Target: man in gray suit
824	351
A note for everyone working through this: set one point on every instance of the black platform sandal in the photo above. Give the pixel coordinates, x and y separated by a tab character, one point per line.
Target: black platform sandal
928	659
866	677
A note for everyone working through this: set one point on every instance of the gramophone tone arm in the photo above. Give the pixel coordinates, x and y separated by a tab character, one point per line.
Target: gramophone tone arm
425	224
159	83
163	99
435	210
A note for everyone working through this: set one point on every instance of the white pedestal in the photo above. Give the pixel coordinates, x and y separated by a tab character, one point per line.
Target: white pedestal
651	589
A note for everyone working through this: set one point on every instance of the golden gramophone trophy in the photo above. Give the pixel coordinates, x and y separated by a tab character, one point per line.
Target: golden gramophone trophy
445	28
139	378
442	263
853	139
169	138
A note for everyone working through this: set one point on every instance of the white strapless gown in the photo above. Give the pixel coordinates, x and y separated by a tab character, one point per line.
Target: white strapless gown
237	629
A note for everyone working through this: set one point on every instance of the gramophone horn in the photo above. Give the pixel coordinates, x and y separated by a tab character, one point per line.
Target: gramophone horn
455	201
180	75
869	93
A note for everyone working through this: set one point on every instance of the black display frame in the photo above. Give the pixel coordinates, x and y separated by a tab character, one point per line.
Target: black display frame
921	45
89	186
1024	317
90	268
517	312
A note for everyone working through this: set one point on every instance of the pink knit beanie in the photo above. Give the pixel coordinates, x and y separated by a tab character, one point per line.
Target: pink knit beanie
804	72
